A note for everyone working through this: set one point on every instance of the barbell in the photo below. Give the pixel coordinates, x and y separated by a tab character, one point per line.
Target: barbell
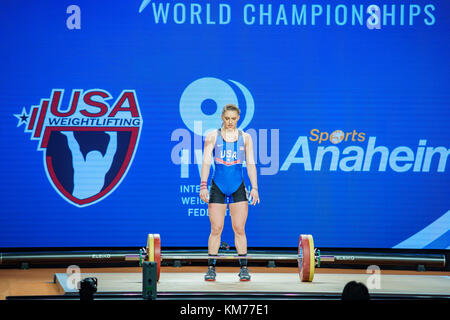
308	257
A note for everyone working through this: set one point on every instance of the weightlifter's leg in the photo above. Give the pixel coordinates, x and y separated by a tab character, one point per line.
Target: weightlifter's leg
239	213
216	217
216	213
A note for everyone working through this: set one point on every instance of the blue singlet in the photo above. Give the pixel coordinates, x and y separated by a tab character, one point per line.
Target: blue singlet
228	159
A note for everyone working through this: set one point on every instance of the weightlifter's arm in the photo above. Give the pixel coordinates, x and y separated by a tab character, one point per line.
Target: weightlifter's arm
206	164
251	168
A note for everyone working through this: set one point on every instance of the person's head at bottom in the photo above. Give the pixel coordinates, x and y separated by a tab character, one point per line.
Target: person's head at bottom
355	291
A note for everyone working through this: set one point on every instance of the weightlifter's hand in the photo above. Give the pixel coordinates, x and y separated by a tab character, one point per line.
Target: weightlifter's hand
204	195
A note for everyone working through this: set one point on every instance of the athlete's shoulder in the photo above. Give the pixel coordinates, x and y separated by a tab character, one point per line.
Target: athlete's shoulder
211	136
247	137
212	133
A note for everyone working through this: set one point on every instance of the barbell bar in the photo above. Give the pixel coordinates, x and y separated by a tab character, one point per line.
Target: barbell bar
308	257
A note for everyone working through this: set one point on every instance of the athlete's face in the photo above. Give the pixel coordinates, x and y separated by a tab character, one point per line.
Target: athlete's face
230	119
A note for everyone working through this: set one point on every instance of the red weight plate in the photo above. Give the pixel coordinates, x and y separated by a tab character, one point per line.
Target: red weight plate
157	248
304	258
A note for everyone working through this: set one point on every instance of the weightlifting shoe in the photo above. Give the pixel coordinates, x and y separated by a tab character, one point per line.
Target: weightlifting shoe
244	275
210	274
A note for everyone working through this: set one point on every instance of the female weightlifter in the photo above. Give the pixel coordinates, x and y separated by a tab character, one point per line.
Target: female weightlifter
229	147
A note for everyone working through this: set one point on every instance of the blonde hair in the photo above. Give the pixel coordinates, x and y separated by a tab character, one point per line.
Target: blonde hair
231	107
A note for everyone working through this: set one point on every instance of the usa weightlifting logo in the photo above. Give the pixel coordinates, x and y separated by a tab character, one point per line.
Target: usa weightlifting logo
88	146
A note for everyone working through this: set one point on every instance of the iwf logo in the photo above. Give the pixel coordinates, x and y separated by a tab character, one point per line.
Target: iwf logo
217	93
89	146
201	106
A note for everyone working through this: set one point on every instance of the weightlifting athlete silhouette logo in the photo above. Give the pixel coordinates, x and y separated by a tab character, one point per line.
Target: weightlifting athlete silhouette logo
90	171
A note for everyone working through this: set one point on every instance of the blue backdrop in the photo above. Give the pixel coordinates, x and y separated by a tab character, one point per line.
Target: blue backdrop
104	105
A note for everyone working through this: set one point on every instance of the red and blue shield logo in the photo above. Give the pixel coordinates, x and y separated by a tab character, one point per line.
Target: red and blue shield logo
89	147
